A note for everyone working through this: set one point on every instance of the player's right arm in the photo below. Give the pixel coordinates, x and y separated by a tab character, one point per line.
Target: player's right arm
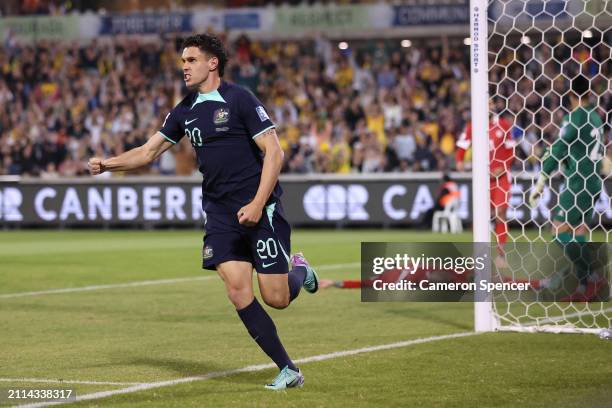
171	133
132	159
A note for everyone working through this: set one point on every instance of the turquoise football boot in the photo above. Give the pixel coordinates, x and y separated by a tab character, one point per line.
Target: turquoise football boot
287	378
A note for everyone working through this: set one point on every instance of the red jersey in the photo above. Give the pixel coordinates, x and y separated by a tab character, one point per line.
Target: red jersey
501	144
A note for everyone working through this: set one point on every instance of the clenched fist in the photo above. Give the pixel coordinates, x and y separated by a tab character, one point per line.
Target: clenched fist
96	166
250	214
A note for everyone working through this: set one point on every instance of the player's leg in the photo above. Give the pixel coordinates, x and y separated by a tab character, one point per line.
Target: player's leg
271	243
570	239
570	229
227	250
269	246
274	289
569	232
500	191
238	279
279	289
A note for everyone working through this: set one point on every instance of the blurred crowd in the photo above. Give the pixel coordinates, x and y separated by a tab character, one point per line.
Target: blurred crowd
372	106
62	7
40	7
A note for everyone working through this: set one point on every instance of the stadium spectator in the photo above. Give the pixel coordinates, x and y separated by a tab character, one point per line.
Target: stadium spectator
448	193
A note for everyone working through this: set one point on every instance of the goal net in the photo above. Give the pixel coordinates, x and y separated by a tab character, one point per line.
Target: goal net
531	55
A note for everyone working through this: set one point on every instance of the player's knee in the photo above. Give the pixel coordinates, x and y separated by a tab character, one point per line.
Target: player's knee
240	297
277	301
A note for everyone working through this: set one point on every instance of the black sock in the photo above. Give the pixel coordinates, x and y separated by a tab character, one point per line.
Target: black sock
296	280
578	252
263	331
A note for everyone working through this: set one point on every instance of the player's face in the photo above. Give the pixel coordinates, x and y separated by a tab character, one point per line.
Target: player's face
196	66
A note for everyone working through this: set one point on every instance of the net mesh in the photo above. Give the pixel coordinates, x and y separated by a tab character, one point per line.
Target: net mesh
536	49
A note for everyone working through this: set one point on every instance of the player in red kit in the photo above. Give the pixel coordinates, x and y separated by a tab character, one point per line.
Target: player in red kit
501	156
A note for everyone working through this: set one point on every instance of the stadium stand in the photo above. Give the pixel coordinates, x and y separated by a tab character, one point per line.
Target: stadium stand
373	107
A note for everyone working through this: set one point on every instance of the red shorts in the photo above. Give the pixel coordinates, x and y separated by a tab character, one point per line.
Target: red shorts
500	191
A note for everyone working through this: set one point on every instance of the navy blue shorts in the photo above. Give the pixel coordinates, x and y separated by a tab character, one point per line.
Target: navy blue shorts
266	245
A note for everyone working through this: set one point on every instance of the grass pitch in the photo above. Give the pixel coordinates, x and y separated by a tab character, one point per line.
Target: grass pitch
118	336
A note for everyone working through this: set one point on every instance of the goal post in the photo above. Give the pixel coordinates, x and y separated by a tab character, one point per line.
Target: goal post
524	58
484	317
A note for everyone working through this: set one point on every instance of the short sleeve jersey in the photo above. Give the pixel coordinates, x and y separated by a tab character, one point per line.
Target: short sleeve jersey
222	126
580	147
501	144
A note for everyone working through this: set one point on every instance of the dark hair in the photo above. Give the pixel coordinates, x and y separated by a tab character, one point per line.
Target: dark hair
580	85
210	45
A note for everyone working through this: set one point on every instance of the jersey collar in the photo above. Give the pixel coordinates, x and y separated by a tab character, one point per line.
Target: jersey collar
209	96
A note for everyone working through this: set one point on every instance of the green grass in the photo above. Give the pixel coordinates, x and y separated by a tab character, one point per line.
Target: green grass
163	332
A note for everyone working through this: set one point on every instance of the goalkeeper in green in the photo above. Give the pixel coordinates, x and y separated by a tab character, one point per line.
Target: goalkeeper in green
580	149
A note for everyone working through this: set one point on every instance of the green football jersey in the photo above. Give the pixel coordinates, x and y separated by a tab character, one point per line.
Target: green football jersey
579	148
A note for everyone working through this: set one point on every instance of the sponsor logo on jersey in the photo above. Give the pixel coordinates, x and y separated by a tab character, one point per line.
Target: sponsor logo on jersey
261	112
220	116
207	252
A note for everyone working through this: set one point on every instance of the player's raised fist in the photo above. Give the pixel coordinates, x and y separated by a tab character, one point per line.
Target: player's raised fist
95	166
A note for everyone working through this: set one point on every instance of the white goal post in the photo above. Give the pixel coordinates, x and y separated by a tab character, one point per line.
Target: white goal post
538	47
484	317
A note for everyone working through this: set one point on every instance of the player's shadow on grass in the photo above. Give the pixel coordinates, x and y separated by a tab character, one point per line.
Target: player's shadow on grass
188	368
182	367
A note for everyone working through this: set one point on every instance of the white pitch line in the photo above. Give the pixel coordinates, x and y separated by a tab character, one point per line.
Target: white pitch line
49	381
100	287
251	368
145	283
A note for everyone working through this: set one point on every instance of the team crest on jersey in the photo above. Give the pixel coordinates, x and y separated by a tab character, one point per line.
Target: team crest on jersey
207	252
220	116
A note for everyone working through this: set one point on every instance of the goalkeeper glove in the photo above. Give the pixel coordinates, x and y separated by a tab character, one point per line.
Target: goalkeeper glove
537	191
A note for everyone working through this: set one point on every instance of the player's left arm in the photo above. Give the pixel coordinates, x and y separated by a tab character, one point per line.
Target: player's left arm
269	144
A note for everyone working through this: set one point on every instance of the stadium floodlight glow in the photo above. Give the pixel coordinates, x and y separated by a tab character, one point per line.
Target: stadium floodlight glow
525	40
406	43
467	41
587	34
343	45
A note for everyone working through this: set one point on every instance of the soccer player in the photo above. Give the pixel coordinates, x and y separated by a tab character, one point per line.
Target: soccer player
580	149
240	158
501	156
